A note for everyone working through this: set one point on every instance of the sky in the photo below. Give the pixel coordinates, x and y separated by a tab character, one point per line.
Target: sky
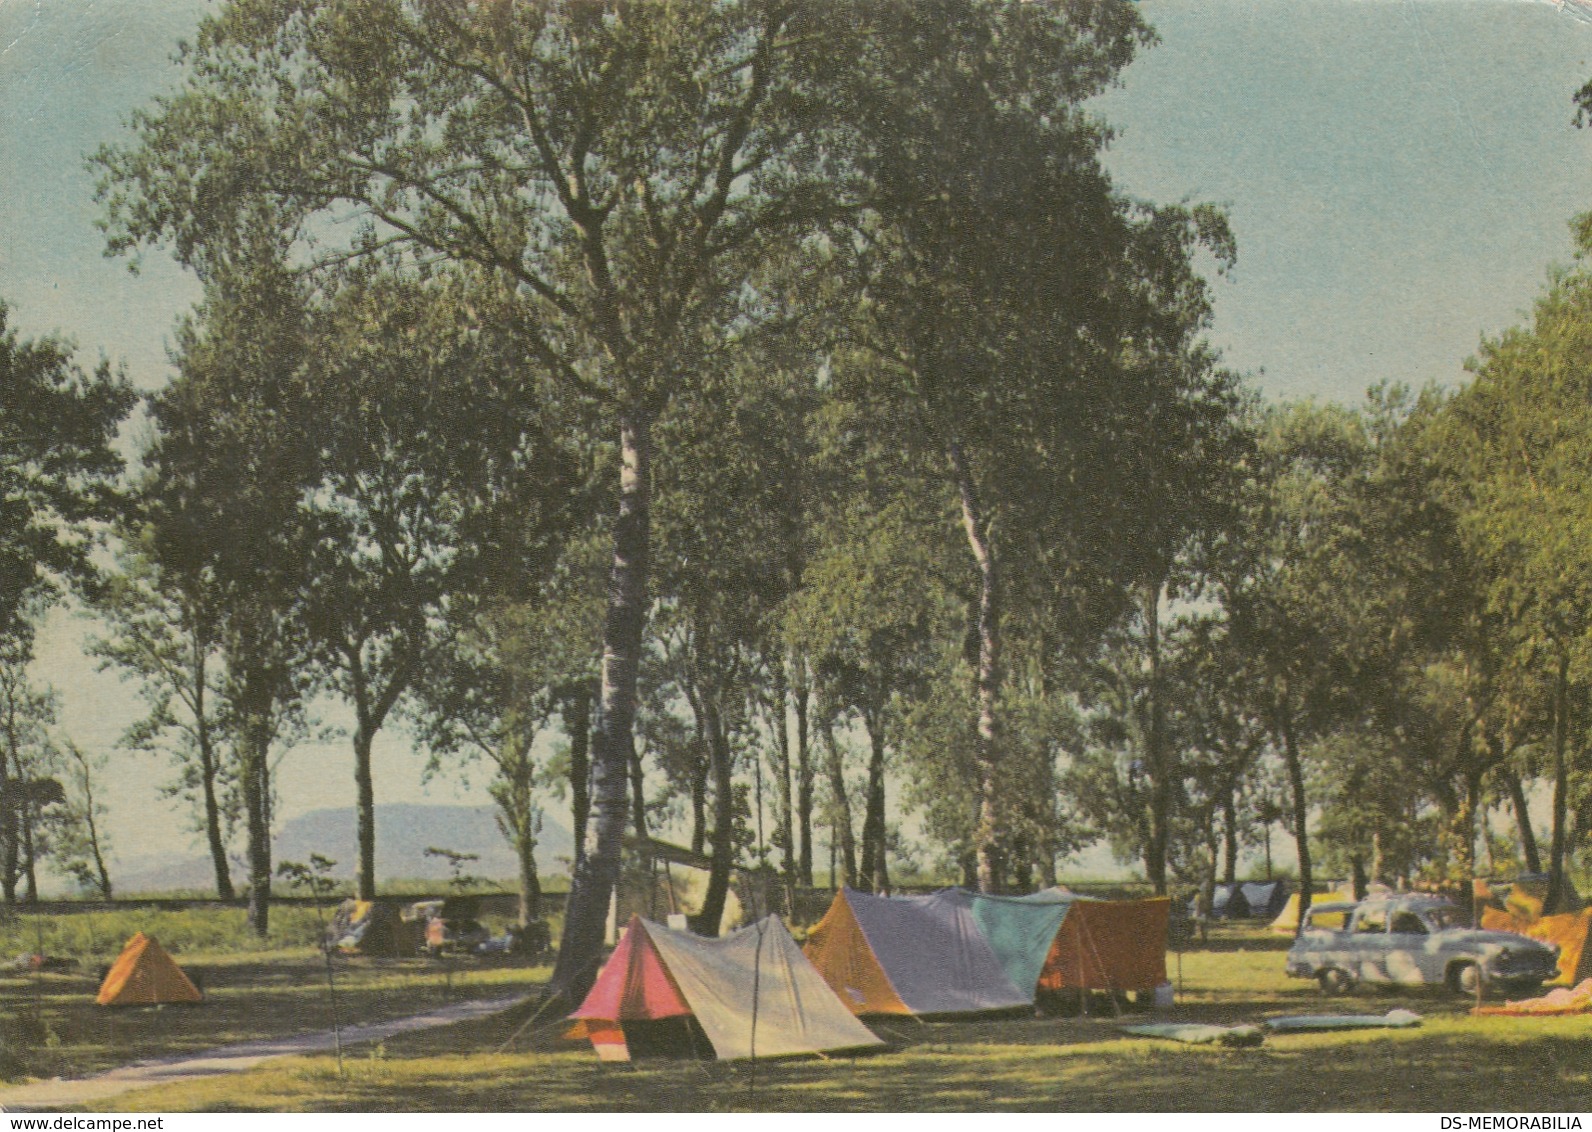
1399	175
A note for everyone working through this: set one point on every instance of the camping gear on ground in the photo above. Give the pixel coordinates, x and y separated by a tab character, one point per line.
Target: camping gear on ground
1560	1000
1392	1020
748	994
910	955
34	962
1194	1033
1287	921
375	928
144	975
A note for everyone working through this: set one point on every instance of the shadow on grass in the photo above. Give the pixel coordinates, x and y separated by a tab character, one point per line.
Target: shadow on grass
245	1002
502	1063
1478	1071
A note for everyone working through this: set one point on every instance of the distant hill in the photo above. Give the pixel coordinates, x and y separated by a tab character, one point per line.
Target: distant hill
403	834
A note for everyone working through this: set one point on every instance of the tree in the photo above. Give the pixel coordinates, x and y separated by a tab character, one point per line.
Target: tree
57	470
623	166
1297	616
82	846
229	466
27	783
165	632
431	475
1020	314
1520	435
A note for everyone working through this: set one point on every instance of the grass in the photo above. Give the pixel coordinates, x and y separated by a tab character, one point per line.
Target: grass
1453	1062
92	939
255	990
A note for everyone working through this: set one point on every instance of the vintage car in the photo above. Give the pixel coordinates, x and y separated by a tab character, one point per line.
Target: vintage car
1413	940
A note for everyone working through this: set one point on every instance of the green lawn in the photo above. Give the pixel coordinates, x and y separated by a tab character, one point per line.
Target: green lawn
1453	1061
50	1025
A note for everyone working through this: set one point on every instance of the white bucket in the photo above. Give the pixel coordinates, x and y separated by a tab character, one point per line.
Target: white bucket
1165	997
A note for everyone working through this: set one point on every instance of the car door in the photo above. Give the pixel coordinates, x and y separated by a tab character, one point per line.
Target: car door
1409	959
1369	939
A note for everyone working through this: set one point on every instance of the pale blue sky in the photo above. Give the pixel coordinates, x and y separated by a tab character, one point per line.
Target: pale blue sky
1399	175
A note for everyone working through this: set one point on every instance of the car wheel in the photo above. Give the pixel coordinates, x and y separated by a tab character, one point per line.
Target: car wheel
1334	982
1465	979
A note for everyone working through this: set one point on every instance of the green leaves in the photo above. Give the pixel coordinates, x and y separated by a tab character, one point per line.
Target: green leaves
57	471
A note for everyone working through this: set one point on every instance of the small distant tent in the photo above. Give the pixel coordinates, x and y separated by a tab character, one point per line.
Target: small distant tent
144	975
1055	940
1265	899
910	955
1229	903
1287	921
1528	893
375	928
751	993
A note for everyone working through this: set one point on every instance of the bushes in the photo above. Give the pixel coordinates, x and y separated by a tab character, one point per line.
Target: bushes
96	938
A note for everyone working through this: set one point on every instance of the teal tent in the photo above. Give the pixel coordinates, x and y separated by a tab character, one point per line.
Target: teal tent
1020	929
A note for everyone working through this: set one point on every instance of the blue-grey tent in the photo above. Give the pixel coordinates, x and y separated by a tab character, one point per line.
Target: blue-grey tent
1265	900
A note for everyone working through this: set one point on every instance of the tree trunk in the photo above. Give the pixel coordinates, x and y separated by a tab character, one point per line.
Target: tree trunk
577	726
254	776
785	819
875	867
209	771
804	779
530	908
592	885
365	808
1561	787
638	794
1207	891
1230	833
1155	746
1528	835
30	864
706	922
987	680
1301	811
218	846
1465	825
10	816
842	808
102	876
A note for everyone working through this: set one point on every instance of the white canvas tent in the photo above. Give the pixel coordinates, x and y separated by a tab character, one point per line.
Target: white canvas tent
752	992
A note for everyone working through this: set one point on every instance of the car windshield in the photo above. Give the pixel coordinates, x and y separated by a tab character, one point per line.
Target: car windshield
1443	917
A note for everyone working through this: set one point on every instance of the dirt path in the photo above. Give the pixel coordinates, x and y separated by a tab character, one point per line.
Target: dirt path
49	1096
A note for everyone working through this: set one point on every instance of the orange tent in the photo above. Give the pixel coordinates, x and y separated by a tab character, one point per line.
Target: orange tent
144	975
1568	931
1117	945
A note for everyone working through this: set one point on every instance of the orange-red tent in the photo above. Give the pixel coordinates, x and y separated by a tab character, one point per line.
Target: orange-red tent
748	994
144	975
